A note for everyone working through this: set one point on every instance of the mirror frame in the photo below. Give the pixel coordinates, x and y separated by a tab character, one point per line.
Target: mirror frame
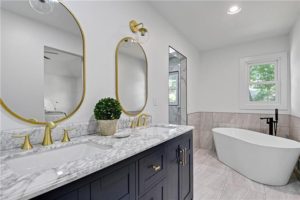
117	77
34	121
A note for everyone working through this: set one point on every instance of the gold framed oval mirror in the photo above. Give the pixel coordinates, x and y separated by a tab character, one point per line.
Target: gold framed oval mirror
42	62
131	76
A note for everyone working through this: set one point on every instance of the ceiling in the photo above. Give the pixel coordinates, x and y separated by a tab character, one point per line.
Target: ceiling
208	26
59	18
62	63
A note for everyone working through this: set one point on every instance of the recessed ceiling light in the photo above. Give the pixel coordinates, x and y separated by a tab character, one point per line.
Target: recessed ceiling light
234	10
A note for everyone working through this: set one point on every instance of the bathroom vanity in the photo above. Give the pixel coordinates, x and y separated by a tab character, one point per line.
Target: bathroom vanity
152	163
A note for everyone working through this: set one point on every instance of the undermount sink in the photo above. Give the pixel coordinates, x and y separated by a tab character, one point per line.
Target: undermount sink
54	158
158	129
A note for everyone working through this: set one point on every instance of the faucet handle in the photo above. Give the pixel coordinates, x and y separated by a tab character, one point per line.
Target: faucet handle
142	119
133	123
66	137
26	145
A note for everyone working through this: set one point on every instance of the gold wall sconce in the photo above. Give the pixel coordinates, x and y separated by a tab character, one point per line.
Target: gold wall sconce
139	29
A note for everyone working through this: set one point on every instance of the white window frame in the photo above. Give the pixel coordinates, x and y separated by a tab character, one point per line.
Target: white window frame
281	80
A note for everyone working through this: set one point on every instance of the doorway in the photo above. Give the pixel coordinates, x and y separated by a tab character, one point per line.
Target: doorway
177	87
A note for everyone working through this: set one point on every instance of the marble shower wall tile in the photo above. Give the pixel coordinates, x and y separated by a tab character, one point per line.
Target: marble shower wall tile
204	122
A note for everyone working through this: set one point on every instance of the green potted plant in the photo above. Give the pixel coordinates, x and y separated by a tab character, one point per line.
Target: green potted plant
107	111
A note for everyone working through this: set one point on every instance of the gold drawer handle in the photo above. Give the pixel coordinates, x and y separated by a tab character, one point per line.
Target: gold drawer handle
156	167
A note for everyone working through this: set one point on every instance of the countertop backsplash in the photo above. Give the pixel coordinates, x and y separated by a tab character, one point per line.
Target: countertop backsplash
37	133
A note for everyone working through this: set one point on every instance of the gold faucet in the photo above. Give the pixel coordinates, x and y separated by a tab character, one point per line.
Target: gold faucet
142	120
133	123
66	137
47	134
26	145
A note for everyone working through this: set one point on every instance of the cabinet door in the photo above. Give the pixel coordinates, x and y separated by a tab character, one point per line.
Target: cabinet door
158	192
186	169
180	168
81	193
118	185
70	196
173	170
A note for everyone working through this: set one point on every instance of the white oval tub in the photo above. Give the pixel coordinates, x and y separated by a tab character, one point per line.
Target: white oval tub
263	158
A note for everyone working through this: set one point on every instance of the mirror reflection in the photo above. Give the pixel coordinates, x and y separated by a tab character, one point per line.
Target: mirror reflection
131	67
41	61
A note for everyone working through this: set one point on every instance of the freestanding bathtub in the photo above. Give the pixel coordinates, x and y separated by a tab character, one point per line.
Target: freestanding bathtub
263	158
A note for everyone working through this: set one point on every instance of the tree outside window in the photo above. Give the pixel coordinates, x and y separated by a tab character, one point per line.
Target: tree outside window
262	82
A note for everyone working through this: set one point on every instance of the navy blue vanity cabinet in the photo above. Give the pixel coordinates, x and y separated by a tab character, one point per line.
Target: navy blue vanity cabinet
164	172
152	169
117	182
180	168
158	192
117	185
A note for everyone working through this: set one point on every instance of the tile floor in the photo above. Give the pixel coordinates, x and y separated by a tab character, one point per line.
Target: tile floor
215	181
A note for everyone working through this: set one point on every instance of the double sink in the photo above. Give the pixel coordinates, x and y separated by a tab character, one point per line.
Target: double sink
40	161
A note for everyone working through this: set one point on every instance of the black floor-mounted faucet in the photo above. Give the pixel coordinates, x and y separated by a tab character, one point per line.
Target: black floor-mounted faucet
272	123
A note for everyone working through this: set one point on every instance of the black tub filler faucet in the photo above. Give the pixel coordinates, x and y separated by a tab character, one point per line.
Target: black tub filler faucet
272	123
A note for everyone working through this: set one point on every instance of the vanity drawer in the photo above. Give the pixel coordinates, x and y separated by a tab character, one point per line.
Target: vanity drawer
158	192
152	168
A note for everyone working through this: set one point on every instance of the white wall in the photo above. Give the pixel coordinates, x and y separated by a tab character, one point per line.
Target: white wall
104	24
295	70
22	64
218	74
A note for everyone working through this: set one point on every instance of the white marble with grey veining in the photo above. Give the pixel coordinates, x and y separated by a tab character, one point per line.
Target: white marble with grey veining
7	141
13	186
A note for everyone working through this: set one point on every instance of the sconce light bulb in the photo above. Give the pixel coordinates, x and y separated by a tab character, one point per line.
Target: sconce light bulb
42	6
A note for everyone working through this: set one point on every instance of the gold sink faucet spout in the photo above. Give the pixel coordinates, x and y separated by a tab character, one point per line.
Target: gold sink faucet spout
47	135
142	120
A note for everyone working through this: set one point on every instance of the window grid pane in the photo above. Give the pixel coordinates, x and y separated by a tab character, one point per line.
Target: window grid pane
262	72
262	92
263	82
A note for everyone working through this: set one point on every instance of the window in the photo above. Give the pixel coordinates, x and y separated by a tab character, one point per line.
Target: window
263	81
174	88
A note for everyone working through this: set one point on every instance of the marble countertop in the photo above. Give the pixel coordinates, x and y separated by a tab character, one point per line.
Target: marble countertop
26	186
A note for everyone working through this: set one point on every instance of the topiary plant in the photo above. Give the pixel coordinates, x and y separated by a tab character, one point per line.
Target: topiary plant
108	109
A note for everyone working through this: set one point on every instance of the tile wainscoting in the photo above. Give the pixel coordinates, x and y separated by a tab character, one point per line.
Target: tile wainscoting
204	122
294	128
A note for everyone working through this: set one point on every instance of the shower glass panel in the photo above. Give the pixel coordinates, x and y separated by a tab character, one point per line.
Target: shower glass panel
177	87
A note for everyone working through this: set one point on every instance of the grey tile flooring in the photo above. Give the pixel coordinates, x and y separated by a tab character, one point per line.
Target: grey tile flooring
215	181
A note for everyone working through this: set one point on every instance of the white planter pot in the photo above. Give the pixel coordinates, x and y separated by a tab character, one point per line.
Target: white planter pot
107	127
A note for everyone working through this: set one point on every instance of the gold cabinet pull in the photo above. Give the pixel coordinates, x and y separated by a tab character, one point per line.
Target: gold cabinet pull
184	156
180	156
156	168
